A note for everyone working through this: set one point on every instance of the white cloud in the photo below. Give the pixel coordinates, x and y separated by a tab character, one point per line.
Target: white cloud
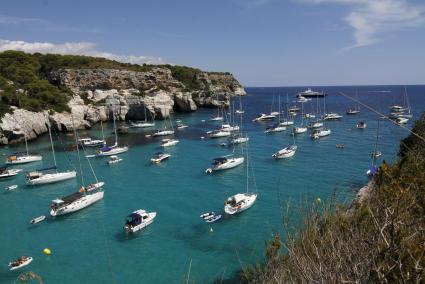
371	19
75	48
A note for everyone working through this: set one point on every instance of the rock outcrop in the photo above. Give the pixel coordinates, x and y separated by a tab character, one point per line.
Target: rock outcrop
131	95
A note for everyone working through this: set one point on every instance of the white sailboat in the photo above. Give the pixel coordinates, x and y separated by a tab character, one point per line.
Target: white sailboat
23	157
322	131
276	127
240	110
286	152
356	109
218	117
288	121
84	197
145	123
241	201
302	128
114	149
40	176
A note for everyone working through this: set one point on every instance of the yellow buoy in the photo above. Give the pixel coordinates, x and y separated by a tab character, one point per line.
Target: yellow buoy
47	251
318	200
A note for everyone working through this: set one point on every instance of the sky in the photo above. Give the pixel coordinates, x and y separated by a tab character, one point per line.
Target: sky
261	42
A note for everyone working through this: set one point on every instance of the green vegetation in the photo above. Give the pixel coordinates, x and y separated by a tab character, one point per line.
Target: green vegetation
380	240
186	75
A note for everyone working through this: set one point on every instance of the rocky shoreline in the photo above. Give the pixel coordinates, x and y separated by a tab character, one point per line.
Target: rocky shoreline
97	92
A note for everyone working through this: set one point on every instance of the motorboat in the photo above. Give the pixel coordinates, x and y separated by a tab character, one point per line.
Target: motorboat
299	129
12	187
224	163
6	173
361	125
302	99
180	124
210	217
315	124
37	219
169	142
159	157
113	160
352	111
239	203
162	132
20	262
402	120
89	142
275	128
38	177
318	133
110	151
263	116
22	158
218	133
138	220
310	94
286	152
74	202
93	186
332	116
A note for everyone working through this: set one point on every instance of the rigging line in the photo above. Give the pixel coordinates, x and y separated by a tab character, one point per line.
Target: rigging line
63	147
78	150
88	160
383	116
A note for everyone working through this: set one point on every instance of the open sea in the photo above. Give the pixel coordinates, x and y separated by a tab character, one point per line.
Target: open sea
90	246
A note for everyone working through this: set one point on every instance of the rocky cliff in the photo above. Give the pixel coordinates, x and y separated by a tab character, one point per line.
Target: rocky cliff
97	93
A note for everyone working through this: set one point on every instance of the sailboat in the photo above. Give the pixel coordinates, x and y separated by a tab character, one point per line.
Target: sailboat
114	149
398	113
355	110
300	129
286	152
23	157
241	201
240	110
40	177
287	121
164	131
218	117
238	138
373	170
145	123
276	127
322	131
84	197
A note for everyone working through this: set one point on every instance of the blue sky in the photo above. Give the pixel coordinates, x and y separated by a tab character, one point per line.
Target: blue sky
262	42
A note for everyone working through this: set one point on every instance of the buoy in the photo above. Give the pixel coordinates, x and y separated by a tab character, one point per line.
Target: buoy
318	200
211	229
47	251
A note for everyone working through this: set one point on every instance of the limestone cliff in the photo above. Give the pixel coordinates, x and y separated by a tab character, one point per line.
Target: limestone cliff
97	92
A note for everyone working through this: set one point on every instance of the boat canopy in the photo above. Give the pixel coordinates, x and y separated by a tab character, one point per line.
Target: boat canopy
237	198
70	198
18	154
220	160
46	169
105	149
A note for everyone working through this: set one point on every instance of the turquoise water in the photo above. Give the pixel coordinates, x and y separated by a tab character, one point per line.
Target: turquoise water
90	246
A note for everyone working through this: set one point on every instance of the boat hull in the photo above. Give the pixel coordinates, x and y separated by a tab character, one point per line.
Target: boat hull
24	160
249	201
52	178
79	204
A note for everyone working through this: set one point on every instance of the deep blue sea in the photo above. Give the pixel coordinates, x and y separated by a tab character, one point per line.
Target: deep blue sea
90	246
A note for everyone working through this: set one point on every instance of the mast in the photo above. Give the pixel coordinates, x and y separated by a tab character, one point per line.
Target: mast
113	115
279	110
302	114
247	167
78	150
26	143
53	148
103	134
376	146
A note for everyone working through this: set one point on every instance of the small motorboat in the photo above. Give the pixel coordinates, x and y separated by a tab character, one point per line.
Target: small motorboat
113	160
332	116
6	173
299	129
94	186
138	220
340	146
12	187
275	128
213	218
402	120
38	219
162	132
169	142
361	125
224	163
159	157
20	262
207	215
352	112
218	133
239	202
263	116
142	124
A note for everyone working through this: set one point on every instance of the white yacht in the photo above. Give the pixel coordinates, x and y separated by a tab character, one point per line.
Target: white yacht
299	129
138	220
89	142
6	173
218	133
74	202
286	152
262	117
169	142
310	93
315	124
239	202
318	133
332	116
224	163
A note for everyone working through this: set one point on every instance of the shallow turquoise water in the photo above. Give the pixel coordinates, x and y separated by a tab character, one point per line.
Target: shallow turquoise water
90	246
